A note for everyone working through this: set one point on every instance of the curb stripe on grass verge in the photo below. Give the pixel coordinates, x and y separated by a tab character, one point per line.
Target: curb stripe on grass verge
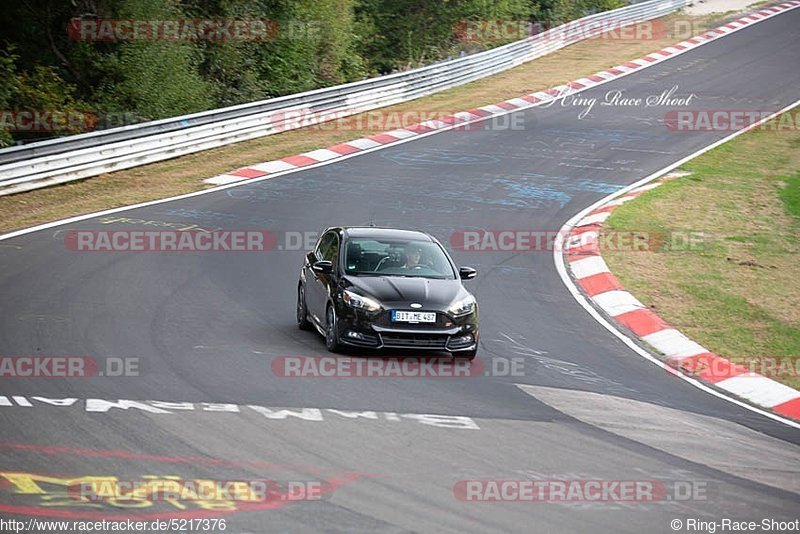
682	353
621	314
464	118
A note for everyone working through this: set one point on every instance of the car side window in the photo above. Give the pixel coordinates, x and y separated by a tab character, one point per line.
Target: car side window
328	248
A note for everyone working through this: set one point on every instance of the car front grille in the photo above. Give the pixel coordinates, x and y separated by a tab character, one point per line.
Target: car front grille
414	341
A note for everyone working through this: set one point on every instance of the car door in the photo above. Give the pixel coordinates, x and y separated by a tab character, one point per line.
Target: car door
318	285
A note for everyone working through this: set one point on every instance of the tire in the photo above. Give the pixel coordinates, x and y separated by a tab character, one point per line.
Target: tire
302	311
331	330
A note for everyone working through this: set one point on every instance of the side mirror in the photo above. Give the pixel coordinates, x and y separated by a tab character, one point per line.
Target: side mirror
467	273
323	266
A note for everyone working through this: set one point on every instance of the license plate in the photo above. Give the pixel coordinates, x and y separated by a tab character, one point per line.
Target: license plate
413	317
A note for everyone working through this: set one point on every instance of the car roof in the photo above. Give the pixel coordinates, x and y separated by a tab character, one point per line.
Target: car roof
385	233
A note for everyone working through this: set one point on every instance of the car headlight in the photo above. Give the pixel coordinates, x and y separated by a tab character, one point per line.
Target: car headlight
354	300
463	306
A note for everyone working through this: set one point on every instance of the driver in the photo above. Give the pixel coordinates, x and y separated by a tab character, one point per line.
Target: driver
413	258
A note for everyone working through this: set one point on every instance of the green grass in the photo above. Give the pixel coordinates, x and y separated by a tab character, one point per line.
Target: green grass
790	195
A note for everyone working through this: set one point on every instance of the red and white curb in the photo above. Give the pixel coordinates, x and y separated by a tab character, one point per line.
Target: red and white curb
592	275
450	122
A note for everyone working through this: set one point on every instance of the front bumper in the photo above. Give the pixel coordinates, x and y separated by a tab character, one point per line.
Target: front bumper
449	334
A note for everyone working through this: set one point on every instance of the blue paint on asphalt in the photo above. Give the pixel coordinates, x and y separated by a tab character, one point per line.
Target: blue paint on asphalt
533	188
448	193
604	134
437	157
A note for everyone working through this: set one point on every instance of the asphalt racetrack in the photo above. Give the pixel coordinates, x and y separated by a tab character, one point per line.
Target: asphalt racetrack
207	328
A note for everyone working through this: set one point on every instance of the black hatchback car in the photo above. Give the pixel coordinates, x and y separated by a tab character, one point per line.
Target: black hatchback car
386	288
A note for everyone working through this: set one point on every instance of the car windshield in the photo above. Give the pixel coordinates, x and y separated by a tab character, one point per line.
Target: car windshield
385	257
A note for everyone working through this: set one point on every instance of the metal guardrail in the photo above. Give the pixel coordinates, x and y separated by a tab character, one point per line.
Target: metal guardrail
81	156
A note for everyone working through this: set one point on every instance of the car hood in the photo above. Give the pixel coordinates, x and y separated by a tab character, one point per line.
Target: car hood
397	289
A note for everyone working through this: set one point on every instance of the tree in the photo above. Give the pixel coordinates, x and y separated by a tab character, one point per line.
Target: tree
153	78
